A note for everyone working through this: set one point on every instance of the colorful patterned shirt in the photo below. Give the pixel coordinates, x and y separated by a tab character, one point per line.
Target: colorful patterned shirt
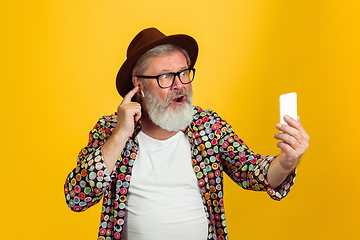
215	149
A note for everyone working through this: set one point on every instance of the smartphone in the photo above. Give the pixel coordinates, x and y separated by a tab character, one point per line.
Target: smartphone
288	106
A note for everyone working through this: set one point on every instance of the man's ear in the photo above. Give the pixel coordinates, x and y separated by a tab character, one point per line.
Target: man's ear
137	82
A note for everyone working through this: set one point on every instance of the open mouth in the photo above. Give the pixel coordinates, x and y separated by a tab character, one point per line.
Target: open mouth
179	99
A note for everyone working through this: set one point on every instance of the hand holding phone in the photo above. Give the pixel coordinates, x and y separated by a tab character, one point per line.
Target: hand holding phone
294	141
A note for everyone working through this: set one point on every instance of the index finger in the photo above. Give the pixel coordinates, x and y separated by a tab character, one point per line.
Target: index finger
129	95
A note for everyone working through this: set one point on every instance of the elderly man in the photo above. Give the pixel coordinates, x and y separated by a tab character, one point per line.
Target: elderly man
158	162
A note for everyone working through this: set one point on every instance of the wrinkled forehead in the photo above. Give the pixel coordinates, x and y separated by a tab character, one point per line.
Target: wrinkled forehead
170	62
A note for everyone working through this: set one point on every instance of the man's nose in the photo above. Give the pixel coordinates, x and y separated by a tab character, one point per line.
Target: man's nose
177	83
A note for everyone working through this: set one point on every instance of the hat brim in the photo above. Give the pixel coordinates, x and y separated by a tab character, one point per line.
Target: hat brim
124	82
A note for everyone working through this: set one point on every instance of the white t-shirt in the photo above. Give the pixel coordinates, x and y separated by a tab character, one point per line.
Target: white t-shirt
164	199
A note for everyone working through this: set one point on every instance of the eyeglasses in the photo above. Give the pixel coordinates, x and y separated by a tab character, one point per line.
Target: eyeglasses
166	80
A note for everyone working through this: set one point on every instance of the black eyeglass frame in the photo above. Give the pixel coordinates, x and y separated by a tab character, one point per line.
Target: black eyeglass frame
173	73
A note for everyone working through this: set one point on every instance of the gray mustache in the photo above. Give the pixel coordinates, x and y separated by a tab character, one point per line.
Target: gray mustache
178	92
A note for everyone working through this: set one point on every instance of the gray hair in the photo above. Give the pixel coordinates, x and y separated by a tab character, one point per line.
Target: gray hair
142	63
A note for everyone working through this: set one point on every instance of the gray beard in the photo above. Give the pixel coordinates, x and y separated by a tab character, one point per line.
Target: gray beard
166	118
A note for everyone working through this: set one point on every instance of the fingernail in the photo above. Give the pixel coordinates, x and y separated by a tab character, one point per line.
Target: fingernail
278	126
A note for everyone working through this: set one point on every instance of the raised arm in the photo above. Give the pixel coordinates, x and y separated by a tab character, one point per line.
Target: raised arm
90	179
128	113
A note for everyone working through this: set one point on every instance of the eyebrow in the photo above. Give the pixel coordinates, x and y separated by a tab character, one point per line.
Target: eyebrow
167	71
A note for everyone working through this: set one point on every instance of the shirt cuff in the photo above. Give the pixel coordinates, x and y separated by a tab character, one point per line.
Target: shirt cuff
283	189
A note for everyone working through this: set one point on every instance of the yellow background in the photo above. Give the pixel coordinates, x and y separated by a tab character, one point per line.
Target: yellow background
58	65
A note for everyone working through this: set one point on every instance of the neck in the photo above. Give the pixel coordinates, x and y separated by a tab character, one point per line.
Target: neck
153	130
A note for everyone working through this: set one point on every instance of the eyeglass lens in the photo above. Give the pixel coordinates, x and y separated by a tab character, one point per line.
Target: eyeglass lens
167	79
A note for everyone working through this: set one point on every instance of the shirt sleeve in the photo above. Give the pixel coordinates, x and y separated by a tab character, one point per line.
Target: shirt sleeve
85	184
246	168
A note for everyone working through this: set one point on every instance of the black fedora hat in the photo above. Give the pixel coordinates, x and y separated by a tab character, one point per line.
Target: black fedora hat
144	41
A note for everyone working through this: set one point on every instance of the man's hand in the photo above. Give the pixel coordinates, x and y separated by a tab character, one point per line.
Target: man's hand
294	141
127	114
